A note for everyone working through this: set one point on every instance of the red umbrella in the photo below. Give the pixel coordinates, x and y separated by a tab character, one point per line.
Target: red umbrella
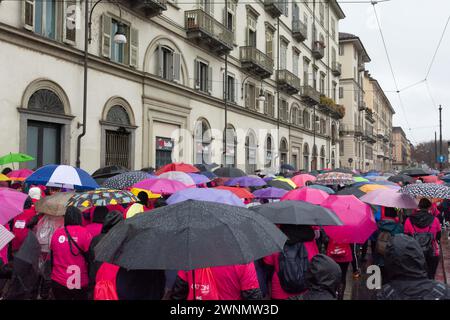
358	219
20	175
242	193
314	196
177	166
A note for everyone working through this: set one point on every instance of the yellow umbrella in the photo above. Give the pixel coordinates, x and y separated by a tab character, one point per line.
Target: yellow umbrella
134	210
151	195
288	181
371	187
4	178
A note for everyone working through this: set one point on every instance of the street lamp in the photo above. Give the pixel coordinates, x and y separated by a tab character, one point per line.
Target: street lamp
119	38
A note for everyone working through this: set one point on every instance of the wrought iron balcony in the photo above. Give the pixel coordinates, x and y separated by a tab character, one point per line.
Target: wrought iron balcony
150	8
358	130
310	95
369	136
299	30
318	49
369	115
288	82
380	134
256	62
350	130
361	105
206	30
274	7
336	68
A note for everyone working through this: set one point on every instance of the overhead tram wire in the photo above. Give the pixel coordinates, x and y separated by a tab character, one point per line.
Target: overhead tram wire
437	49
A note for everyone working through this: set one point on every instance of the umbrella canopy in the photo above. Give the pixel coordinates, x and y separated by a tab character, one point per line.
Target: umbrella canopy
403	178
306	194
101	197
280	184
335	178
160	186
150	195
301	179
415	172
242	193
20	175
190	235
357	216
62	176
372	174
15	157
323	188
298	213
109	171
246	182
125	180
183	167
210	175
206	167
355	191
360	179
178	176
446	178
377	178
199	178
4	178
12	202
229	172
268	178
269	193
343	170
427	190
314	173
390	198
371	187
430	179
203	194
286	166
5	236
54	205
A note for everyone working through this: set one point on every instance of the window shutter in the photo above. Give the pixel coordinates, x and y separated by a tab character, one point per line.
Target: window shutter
246	36
236	90
209	79
28	14
246	96
224	85
69	21
225	17
134	47
176	65
106	36
196	74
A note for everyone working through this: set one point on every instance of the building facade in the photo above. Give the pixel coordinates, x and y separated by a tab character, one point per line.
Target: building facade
381	112
246	85
402	149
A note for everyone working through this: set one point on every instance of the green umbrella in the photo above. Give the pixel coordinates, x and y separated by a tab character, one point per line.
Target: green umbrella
360	179
15	157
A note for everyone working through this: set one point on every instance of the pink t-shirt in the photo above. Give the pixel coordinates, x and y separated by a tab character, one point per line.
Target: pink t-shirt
63	259
347	257
272	260
230	280
94	229
435	228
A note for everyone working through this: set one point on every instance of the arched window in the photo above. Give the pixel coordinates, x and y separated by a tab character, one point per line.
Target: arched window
268	152
322	157
202	142
333	134
306	157
283	151
306	119
45	100
333	160
231	146
250	153
118	115
314	158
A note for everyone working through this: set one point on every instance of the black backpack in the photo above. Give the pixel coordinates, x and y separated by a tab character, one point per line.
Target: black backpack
439	292
425	240
293	263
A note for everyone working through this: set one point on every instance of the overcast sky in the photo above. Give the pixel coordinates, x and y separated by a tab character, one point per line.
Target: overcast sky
412	29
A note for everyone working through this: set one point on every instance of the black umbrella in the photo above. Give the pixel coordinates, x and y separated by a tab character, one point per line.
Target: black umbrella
351	191
148	169
109	171
403	178
280	184
415	172
229	172
287	167
206	167
314	173
298	212
190	235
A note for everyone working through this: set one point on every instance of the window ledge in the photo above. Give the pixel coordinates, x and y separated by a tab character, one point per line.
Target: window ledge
42	113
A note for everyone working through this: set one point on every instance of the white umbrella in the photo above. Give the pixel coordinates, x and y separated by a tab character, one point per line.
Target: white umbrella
178	176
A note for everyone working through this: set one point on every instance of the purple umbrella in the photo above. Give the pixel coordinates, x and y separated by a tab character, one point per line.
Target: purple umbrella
211	195
267	179
246	182
11	204
199	178
270	193
390	198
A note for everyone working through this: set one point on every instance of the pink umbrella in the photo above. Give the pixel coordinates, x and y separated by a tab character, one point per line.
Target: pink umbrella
301	179
390	198
20	174
11	204
357	216
314	196
160	186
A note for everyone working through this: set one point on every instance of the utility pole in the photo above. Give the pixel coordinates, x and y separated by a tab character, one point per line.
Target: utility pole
435	148
225	99
278	93
440	136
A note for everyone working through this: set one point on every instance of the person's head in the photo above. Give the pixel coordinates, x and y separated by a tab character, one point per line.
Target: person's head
6	171
390	212
323	274
143	198
404	259
28	203
35	193
297	233
111	219
308	183
17	186
424	204
72	217
99	214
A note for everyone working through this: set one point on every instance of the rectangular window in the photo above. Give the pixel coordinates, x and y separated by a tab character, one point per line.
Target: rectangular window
315	78
269	43
119	51
322	83
341	92
334	90
203	76
250	97
283	56
341	50
295	58
45	17
305	73
251	30
231	88
268	104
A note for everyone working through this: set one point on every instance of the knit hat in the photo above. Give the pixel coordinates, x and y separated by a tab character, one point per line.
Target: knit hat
35	193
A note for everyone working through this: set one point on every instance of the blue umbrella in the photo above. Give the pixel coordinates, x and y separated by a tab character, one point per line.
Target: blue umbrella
270	193
372	174
323	188
62	176
211	195
360	184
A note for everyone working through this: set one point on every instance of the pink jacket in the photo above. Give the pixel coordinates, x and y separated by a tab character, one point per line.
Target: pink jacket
434	228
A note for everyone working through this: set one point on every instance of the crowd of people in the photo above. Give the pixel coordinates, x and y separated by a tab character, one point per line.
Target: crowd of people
42	259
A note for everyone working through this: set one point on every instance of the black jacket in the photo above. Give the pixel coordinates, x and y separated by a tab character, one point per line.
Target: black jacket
407	278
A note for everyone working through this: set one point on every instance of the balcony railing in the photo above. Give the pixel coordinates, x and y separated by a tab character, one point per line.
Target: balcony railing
256	62
310	95
369	115
206	30
274	7
370	137
150	8
318	49
361	105
336	68
346	129
299	30
288	82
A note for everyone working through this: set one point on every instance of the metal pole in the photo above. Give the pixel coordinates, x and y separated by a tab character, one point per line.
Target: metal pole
435	148
225	99
85	68
440	136
278	87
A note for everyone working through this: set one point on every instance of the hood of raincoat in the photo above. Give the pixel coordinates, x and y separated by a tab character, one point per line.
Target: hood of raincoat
111	219
390	226
422	219
404	259
323	276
